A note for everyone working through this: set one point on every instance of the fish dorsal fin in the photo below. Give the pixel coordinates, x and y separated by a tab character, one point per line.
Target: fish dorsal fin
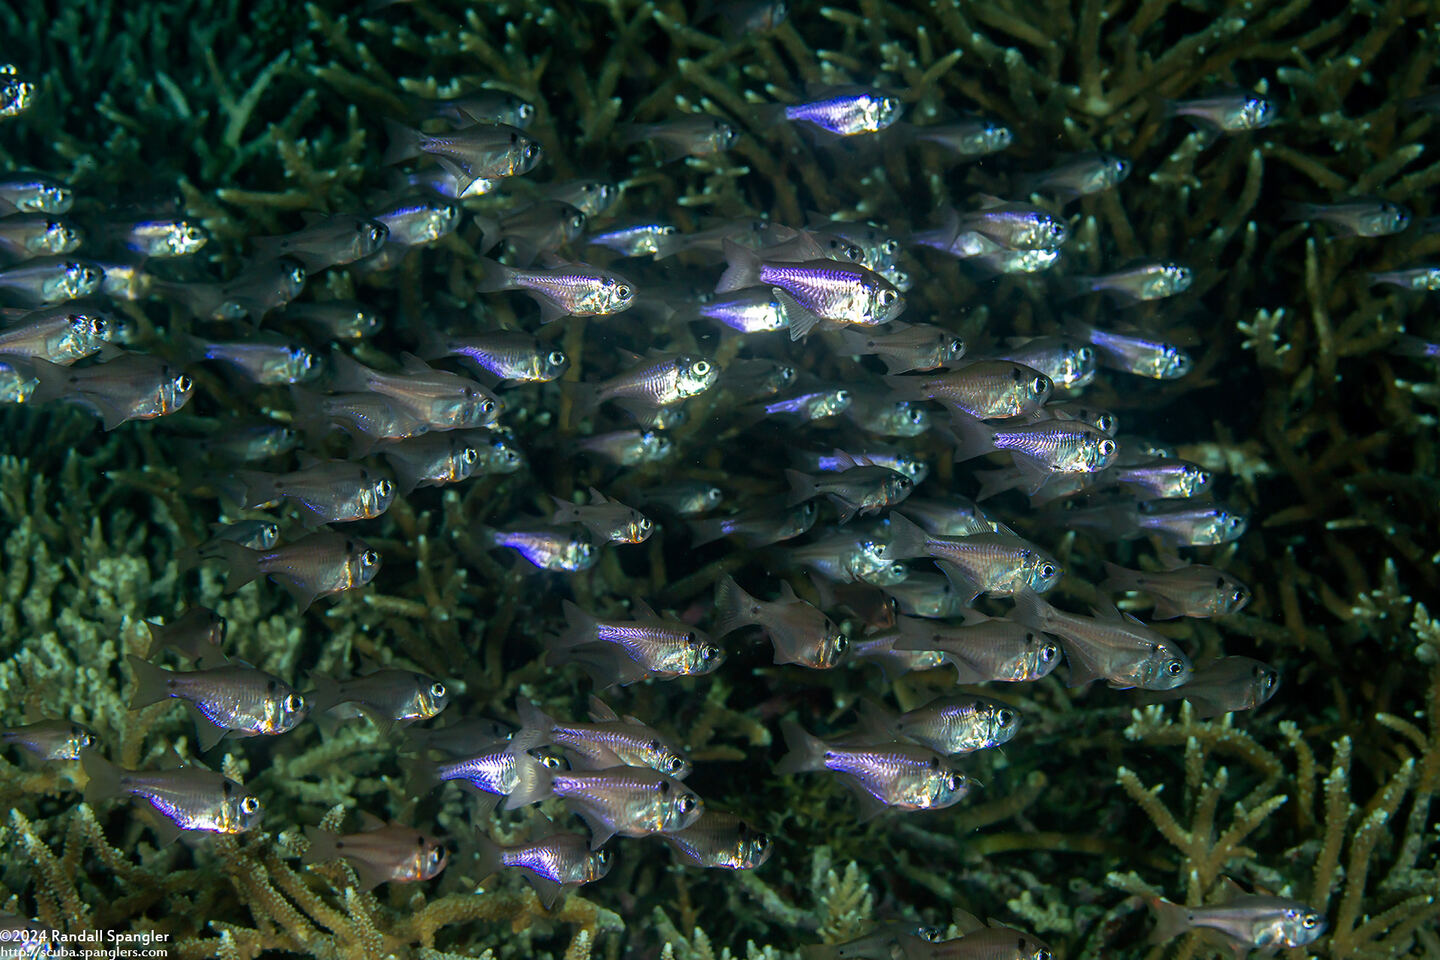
966	922
876	722
1169	562
1231	889
643	610
600	711
988	201
552	261
369	822
1103	609
844	459
787	593
410	363
596	497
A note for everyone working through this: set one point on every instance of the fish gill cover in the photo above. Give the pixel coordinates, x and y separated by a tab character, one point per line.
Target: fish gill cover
631	597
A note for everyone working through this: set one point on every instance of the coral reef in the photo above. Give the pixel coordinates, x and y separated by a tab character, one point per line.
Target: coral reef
1325	438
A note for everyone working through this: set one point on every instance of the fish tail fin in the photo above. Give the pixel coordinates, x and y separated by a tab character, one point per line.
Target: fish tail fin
535	724
579	627
565	511
1118	579
347	375
1298	211
1171	920
742	268
421	776
584	397
326	694
324	845
802	487
877	722
807	751
489	855
152	683
104	777
241	563
432	345
732	606
1407	345
972	437
404	143
491	233
906	538
495	276
706	531
532	782
961	581
995	482
904	388
1030	609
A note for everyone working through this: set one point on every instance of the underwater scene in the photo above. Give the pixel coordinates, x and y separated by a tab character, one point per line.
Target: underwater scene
742	479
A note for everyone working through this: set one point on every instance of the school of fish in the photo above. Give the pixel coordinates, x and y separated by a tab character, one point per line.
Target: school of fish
851	553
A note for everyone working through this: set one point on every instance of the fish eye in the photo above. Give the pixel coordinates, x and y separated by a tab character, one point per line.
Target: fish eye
556	357
294	703
437	689
297	275
953	781
889	104
676	764
469	455
890	247
183	384
1005	717
1085	354
1237	595
623	291
1047	570
1310	921
887	297
842	395
1105	423
369	558
709	652
577	222
714	494
250	805
840	645
701	368
1106	447
1042	954
384	488
524	112
1040	386
511	456
1048	652
487	405
1174	667
85	740
644	523
602	857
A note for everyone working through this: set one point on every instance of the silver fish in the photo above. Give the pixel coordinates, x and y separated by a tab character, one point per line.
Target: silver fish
621	652
657	381
548	548
327	241
1140	355
800	632
380	853
1070	364
440	399
993	564
432	460
816	289
947	725
164	239
491	771
1228	112
847	558
258	289
553	865
905	347
1040	449
858	489
531	230
1014	226
984	649
986	389
1411	278
698	136
262	359
386	697
926	595
720	841
330	491
1112	646
815	405
477	106
317	565
975	137
133	386
609	520
637	240
27	235
953	516
188	800
1227	685
367	417
197	635
608	741
1252	921
411	222
1355	218
759	526
233	700
52	739
1079	176
1185	590
481	151
34	193
848	114
883	778
619	801
685	498
337	319
1150	280
628	448
46	280
60	335
569	290
503	354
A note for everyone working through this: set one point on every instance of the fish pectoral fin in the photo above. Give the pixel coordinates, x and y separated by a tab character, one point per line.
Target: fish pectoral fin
800	320
961	582
207	734
547	891
600	831
870	806
369	875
